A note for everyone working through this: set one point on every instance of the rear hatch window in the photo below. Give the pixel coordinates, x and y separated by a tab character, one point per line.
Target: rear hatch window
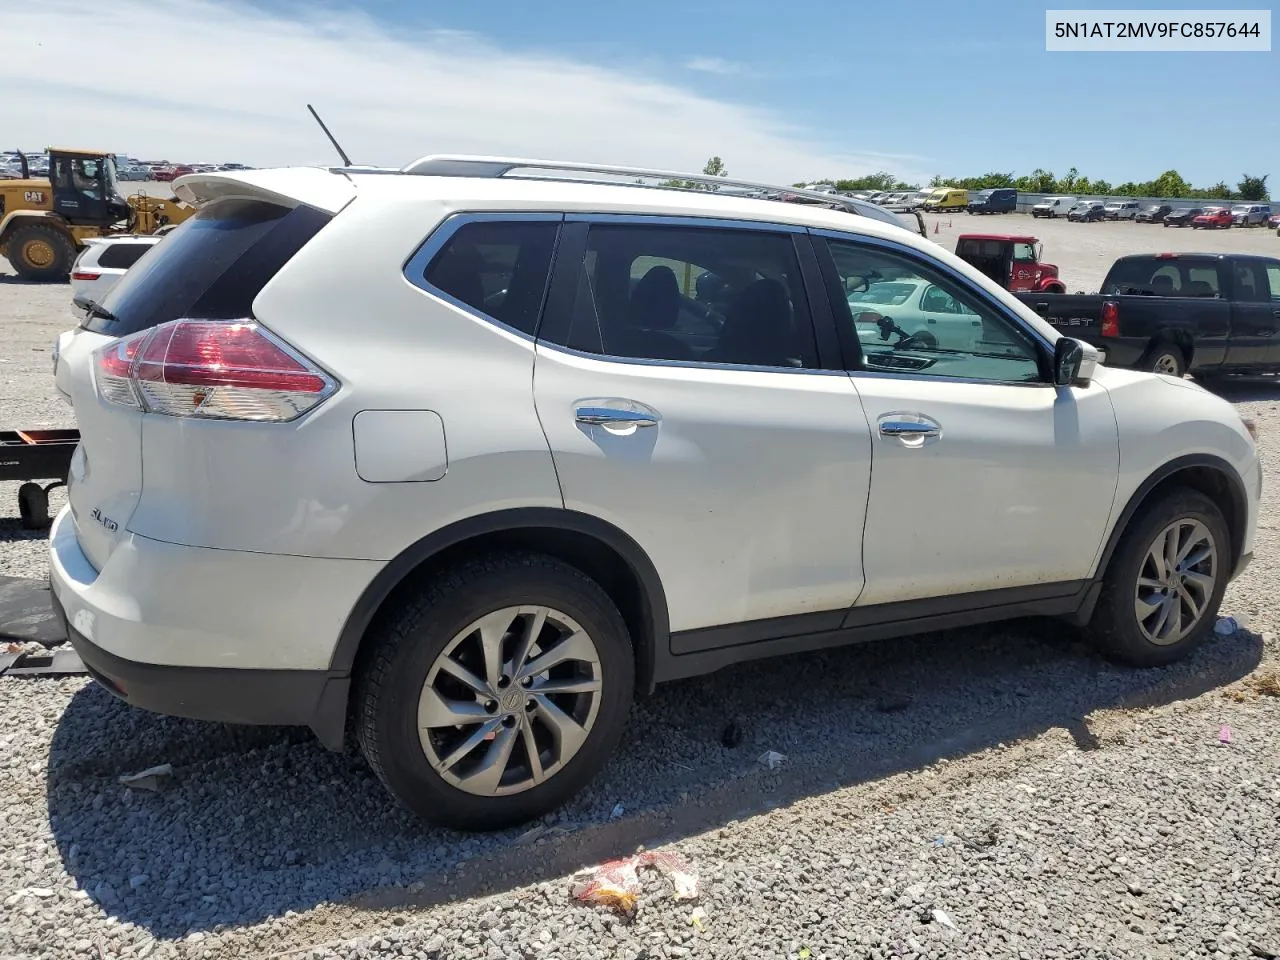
211	267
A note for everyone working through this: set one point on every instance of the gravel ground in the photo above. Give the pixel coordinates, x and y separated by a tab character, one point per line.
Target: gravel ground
1044	802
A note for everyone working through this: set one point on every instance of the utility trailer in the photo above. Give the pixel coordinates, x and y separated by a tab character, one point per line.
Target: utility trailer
35	455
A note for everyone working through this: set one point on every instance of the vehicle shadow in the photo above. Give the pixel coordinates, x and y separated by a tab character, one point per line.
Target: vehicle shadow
258	821
13	279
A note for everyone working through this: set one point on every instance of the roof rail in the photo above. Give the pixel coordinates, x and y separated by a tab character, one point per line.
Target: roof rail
448	165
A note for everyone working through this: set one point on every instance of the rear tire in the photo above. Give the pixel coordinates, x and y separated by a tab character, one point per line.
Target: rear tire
33	506
1135	585
412	670
1165	357
41	253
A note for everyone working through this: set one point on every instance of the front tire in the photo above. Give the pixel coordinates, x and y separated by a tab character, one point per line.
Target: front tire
495	692
1163	588
41	253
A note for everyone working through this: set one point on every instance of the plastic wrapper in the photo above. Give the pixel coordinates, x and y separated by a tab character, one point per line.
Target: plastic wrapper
616	883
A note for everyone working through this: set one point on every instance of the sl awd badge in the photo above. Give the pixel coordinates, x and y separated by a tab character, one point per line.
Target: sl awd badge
110	525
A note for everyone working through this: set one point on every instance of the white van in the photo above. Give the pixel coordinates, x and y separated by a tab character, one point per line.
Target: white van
1053	207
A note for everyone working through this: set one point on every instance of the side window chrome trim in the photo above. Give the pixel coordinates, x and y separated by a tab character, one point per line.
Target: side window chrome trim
415	268
683	364
942	378
962	282
667	220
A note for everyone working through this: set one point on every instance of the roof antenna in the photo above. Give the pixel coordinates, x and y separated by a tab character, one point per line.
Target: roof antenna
346	161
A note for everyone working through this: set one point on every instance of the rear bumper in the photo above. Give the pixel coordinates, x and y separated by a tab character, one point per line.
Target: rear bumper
210	634
311	698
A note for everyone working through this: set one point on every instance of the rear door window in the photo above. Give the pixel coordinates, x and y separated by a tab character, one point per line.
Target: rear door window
211	267
692	294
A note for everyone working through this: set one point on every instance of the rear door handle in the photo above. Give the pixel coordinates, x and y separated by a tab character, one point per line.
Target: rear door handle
616	417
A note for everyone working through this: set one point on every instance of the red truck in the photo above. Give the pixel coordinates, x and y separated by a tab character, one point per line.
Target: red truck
1011	261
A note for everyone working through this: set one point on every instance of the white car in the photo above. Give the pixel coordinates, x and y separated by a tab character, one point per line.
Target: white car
887	312
102	263
463	458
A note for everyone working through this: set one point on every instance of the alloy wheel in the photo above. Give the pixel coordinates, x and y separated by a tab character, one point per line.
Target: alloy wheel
510	700
1176	581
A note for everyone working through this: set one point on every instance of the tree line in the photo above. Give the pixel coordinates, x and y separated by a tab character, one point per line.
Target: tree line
1168	184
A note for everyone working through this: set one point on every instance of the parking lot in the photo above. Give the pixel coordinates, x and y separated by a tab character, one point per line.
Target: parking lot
994	792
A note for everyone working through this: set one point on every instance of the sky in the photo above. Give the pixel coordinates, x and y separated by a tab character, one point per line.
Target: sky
783	92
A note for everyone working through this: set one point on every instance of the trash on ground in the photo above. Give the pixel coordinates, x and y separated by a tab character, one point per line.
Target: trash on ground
616	883
697	916
149	779
942	918
805	953
939	841
530	835
618	811
1224	735
1226	626
1026	788
771	759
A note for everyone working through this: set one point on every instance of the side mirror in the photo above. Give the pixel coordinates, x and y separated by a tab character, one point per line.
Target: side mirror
1073	362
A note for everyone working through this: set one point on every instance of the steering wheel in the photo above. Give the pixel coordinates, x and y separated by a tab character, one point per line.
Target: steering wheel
922	339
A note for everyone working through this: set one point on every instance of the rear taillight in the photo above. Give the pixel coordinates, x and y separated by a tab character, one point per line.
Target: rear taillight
81	275
211	369
1110	319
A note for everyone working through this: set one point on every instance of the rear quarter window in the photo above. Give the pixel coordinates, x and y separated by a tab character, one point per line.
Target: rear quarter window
211	267
499	268
122	256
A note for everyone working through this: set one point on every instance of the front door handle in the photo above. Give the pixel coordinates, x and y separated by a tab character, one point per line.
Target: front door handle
615	417
912	429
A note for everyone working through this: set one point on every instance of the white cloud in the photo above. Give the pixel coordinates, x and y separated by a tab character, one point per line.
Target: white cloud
216	81
712	65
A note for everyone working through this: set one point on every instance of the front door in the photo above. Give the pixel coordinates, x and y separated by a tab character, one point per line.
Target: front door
678	382
983	474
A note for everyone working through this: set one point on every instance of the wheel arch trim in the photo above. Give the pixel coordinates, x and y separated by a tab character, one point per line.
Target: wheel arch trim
16	218
395	572
1239	497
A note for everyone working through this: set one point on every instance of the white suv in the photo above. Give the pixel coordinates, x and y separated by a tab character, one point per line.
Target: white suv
457	460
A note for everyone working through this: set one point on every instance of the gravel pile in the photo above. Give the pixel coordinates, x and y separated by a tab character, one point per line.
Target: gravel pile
983	793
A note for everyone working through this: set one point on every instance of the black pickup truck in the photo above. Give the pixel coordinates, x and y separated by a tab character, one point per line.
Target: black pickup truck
1177	312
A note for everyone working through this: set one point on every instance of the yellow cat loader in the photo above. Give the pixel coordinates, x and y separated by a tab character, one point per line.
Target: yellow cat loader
44	222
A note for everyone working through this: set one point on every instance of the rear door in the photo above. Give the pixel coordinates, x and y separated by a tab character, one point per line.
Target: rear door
1255	323
681	387
1258	297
